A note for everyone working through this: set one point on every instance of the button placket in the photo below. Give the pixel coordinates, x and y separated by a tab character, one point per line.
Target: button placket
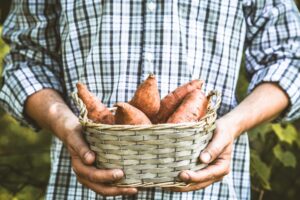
149	62
149	47
149	57
151	6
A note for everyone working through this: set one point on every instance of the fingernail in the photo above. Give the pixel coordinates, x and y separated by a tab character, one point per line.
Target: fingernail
88	156
185	176
205	157
133	190
117	174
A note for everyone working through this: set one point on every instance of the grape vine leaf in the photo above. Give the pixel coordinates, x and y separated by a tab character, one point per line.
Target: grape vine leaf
260	132
260	169
288	134
287	158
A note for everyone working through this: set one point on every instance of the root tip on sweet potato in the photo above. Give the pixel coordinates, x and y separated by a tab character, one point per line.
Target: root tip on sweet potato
97	111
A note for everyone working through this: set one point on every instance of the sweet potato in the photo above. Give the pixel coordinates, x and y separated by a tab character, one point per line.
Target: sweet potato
170	102
146	97
97	111
128	114
192	108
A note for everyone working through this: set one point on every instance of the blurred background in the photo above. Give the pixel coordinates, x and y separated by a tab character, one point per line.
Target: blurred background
25	161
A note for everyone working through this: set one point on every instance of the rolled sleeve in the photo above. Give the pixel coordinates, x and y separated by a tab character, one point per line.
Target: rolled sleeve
273	49
286	76
22	83
33	62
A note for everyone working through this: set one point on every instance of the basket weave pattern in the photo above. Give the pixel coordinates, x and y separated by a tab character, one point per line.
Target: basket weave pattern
149	155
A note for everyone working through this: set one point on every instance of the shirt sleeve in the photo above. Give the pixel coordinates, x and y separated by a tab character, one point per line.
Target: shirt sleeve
33	62
272	50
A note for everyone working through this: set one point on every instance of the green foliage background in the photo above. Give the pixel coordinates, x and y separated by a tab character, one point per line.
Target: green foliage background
25	162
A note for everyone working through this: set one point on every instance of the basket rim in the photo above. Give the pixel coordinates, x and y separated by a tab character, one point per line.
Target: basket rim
87	123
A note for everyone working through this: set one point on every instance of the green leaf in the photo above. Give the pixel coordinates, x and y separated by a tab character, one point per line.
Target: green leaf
288	134
298	134
260	132
261	170
3	51
287	158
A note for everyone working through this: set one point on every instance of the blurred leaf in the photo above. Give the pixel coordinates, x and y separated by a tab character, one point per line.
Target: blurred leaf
260	132
4	9
298	3
5	194
260	169
3	51
287	158
298	130
30	192
288	134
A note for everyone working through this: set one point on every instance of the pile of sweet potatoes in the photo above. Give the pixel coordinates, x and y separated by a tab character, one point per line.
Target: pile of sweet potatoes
187	103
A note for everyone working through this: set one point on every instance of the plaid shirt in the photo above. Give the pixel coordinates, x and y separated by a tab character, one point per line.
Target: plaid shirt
113	45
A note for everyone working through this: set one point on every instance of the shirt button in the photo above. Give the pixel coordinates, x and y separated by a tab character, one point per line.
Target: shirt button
149	57
151	6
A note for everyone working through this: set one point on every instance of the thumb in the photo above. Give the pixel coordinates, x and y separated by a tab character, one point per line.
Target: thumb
79	148
212	151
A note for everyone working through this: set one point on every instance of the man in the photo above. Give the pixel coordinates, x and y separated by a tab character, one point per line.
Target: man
113	45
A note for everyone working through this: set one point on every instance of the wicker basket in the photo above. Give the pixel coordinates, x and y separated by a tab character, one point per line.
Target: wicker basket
150	155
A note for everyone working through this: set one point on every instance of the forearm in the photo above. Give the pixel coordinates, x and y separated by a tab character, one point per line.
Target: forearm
265	103
48	109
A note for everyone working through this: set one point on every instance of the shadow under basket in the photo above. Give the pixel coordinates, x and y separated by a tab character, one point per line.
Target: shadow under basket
150	155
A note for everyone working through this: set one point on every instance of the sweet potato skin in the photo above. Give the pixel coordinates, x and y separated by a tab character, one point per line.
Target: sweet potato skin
128	114
192	108
170	102
97	111
146	97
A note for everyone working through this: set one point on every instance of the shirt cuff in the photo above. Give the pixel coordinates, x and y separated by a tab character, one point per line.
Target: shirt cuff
20	84
286	75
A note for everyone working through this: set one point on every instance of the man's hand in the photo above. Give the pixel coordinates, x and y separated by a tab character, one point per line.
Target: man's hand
265	103
217	154
49	110
82	163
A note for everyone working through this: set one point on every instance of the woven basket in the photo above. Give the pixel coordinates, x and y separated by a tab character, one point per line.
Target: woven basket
150	155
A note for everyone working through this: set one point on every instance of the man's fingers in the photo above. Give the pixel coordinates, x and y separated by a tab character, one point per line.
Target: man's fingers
93	174
213	149
204	177
81	149
212	172
108	190
193	187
